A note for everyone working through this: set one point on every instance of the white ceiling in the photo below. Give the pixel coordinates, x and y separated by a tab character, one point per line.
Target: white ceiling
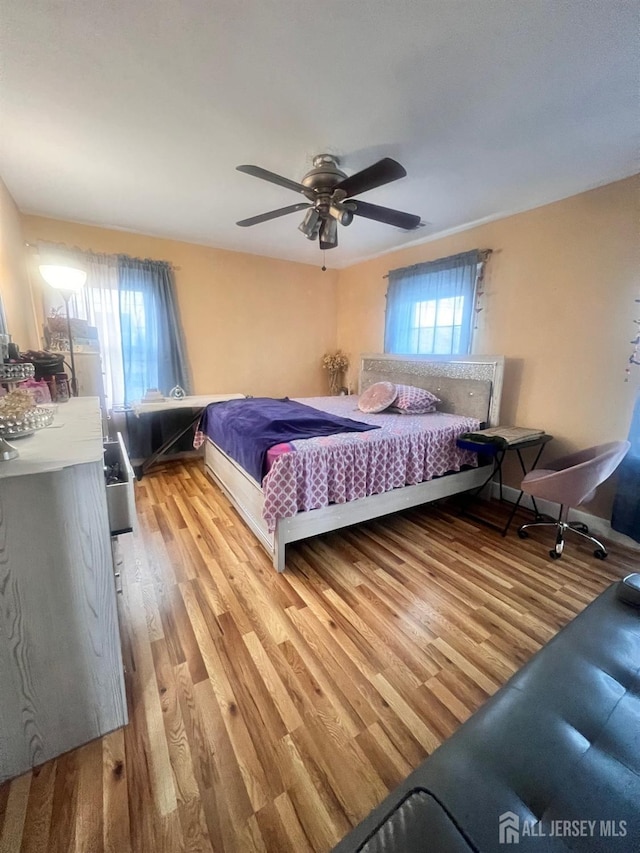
134	113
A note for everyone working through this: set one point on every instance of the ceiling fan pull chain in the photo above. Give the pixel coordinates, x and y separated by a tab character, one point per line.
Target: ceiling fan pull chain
324	268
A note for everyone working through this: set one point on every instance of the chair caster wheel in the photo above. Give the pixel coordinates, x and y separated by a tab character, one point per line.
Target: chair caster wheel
600	554
523	534
554	555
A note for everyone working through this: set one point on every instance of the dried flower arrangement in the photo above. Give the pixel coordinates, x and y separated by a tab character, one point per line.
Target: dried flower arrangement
336	363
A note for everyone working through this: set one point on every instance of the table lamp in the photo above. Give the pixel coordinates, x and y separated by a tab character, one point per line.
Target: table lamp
68	280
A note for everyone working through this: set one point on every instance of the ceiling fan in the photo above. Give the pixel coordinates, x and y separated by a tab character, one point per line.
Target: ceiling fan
329	192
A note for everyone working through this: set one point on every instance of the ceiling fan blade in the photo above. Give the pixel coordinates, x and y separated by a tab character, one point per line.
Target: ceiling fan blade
407	221
380	173
257	172
273	214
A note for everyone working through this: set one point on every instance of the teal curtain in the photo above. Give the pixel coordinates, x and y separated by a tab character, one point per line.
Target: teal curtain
626	506
153	353
430	306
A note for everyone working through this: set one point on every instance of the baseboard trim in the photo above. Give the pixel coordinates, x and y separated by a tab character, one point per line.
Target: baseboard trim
599	526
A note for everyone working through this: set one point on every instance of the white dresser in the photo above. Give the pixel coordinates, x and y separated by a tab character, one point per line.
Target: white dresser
61	674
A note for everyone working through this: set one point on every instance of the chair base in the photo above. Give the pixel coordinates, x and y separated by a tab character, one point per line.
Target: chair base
561	528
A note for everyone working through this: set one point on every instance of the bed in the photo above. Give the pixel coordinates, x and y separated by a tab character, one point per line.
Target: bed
470	389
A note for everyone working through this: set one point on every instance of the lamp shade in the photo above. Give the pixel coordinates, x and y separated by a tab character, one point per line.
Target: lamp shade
63	277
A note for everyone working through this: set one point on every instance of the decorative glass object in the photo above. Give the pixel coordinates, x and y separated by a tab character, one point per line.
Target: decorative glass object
17	426
63	390
7	451
335	381
16	372
20	417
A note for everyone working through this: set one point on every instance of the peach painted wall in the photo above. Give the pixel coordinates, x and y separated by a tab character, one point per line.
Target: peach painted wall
558	303
252	324
14	282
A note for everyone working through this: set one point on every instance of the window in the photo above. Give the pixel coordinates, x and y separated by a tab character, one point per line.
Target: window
430	307
131	303
97	303
133	329
437	325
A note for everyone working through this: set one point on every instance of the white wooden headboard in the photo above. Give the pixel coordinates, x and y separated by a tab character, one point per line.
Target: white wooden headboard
466	384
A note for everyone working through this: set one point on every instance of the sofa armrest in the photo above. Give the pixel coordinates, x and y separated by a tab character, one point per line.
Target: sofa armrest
416	822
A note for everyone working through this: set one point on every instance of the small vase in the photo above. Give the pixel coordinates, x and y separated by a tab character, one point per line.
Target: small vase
335	381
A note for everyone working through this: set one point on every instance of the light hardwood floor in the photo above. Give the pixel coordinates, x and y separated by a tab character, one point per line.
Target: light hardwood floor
272	712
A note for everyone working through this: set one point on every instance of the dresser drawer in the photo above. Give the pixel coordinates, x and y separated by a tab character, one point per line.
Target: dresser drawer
119	475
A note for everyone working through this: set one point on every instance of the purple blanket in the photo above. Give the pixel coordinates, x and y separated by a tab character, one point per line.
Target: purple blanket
246	429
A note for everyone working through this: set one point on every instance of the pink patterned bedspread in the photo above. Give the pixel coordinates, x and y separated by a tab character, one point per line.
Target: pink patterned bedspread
408	449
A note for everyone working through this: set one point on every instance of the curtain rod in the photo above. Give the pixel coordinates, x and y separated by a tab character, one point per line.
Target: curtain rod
483	253
90	251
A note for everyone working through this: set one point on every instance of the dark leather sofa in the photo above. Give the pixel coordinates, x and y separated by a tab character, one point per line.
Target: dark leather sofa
550	763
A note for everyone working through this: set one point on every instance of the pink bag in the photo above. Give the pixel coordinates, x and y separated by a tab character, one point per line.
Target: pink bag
39	390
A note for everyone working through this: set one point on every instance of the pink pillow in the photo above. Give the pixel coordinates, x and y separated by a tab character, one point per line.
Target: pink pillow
414	401
377	397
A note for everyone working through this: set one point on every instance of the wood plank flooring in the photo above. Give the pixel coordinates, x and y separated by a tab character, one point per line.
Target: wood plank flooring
271	712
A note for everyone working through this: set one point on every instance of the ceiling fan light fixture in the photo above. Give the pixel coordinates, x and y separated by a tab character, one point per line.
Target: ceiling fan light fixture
329	234
341	213
329	198
310	225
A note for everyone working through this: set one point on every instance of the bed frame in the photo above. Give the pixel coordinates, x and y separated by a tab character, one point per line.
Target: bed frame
466	385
